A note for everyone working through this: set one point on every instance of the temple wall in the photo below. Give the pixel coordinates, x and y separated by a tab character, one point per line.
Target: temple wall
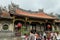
11	27
9	23
0	26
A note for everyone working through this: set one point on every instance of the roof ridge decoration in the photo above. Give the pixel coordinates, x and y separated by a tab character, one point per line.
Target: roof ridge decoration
40	10
14	7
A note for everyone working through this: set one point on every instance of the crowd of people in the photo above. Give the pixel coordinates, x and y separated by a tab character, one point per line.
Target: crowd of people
42	36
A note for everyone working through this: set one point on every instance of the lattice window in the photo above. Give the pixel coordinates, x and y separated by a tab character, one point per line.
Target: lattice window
5	27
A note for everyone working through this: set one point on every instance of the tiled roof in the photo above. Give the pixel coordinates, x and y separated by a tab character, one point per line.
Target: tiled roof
37	15
5	14
57	21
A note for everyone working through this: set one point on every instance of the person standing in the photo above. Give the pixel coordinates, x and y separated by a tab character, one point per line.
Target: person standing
38	37
58	36
54	36
32	35
44	35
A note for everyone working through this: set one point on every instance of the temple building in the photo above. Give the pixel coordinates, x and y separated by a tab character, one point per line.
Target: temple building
19	20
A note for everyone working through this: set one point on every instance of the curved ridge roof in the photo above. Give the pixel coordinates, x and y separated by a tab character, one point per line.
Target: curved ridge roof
33	14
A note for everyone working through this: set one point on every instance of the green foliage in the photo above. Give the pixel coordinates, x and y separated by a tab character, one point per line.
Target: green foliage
56	31
24	30
58	15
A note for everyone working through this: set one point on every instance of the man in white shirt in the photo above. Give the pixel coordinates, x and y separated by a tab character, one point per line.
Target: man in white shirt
32	35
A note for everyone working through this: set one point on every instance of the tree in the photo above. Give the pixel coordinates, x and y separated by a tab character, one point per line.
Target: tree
58	15
0	10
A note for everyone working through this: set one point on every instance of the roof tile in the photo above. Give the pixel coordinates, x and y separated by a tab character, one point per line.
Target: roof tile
38	14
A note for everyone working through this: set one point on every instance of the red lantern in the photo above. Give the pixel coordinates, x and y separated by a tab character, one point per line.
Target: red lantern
48	26
19	25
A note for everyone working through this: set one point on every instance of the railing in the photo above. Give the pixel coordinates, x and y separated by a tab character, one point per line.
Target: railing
7	34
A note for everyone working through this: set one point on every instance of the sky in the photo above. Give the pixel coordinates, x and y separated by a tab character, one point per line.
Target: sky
48	5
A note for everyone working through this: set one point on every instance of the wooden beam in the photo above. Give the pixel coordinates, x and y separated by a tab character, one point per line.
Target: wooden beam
20	19
36	21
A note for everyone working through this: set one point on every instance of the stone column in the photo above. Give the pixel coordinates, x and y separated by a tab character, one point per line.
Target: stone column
0	26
